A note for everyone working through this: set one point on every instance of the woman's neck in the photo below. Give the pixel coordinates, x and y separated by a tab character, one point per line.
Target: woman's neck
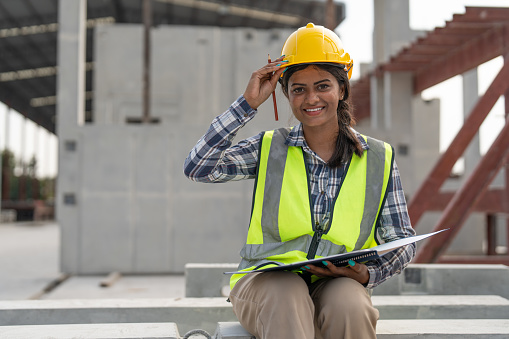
321	141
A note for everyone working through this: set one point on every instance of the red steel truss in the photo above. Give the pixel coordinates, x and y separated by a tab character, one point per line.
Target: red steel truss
467	41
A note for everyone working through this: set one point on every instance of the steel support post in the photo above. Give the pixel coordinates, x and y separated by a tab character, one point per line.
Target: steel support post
506	195
491	234
147	24
330	15
458	210
430	187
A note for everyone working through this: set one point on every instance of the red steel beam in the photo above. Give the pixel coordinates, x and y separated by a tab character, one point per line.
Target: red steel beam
458	210
492	201
486	14
360	97
448	40
413	57
402	66
478	50
422	47
430	187
469	25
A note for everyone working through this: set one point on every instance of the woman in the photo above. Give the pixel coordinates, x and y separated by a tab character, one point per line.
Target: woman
321	189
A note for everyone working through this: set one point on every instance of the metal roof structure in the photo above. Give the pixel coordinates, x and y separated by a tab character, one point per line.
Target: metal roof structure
465	42
28	38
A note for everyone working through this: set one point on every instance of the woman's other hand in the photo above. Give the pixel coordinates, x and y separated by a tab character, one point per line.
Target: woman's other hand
358	272
263	82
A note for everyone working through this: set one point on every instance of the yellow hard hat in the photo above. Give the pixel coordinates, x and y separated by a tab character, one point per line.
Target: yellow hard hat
316	44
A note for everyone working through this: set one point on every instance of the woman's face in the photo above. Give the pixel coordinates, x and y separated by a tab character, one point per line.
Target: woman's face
314	96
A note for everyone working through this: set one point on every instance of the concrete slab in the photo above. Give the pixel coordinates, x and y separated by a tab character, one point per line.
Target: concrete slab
140	286
407	329
442	307
208	280
448	279
187	313
204	313
443	329
231	330
29	258
92	331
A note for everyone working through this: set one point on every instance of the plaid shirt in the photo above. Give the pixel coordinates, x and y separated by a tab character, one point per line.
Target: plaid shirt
214	160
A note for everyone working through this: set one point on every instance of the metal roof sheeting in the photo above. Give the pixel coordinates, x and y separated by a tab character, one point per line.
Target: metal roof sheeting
28	38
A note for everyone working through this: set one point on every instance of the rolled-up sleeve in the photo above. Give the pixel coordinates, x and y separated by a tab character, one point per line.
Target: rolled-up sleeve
214	159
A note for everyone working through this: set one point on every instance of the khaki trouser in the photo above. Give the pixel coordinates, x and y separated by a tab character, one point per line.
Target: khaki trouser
278	305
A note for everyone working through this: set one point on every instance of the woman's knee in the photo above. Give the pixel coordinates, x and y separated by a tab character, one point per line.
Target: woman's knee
270	286
344	296
285	287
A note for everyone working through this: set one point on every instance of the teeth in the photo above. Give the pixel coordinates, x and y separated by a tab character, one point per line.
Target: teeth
313	109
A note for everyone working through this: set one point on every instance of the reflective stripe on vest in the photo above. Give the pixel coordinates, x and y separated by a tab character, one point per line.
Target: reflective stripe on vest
282	224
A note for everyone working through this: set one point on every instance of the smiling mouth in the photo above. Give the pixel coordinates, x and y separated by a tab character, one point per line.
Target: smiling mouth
313	111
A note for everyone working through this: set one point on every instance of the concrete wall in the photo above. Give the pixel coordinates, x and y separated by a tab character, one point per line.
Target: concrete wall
133	209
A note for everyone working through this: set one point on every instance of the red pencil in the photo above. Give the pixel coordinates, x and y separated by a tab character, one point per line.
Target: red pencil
274	98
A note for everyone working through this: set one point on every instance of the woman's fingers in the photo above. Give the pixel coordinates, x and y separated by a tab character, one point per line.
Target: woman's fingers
262	83
355	271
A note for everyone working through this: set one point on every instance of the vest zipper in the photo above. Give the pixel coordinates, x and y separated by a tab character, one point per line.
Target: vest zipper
315	242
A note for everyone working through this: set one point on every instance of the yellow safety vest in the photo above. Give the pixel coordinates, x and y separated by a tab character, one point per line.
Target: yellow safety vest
282	227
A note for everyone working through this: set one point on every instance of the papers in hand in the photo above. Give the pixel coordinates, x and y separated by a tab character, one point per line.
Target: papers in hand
343	258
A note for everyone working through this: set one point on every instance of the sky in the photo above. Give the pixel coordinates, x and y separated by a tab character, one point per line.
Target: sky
356	33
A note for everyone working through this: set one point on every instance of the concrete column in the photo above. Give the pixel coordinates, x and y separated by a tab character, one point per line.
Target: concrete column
392	29
71	63
387	101
7	129
70	115
374	101
470	96
22	183
1	163
6	146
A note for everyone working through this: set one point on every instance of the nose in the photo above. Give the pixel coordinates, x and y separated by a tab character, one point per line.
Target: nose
312	97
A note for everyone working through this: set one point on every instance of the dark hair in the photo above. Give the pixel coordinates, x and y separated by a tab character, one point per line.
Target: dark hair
346	142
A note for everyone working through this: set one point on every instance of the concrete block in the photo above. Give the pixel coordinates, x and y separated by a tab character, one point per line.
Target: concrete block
232	330
8	216
443	329
407	329
187	313
448	279
208	280
92	331
442	307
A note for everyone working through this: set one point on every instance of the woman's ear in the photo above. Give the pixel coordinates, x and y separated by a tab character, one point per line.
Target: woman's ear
342	92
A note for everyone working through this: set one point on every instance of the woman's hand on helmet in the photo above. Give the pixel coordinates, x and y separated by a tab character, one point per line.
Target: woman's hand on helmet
263	82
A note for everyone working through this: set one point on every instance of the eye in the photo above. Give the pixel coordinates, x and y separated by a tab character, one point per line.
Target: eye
322	87
298	90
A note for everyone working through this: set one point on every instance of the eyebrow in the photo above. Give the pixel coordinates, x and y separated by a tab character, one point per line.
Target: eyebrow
316	83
